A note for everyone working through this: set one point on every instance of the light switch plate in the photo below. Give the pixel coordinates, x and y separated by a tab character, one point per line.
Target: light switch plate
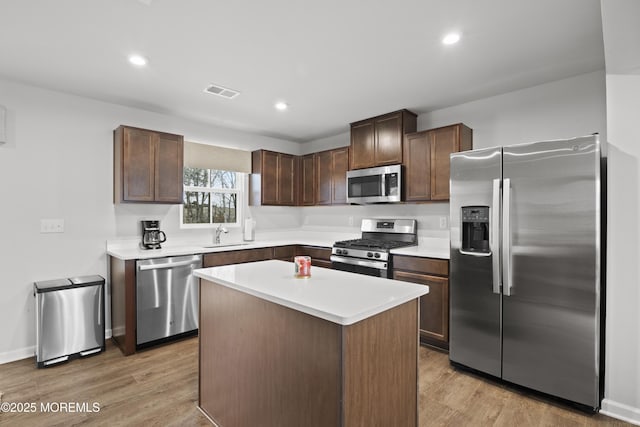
55	225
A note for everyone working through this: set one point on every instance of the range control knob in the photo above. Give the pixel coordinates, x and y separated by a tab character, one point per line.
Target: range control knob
376	255
345	252
338	251
369	255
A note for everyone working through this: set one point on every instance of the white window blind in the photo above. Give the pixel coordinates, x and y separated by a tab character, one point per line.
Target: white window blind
204	156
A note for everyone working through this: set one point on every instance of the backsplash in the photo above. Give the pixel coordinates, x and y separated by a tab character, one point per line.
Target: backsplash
275	217
433	220
348	218
129	215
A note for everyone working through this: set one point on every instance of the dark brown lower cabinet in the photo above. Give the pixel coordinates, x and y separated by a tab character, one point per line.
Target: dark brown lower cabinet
434	307
123	304
320	256
215	259
284	253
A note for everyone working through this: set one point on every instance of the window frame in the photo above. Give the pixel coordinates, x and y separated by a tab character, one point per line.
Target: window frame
240	191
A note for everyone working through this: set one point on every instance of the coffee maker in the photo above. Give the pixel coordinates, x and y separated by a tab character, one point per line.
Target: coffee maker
151	234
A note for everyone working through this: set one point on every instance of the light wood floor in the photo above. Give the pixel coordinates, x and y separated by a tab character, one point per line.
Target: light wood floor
160	387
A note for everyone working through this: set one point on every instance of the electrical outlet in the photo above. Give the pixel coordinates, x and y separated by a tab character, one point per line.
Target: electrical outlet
55	225
351	221
443	222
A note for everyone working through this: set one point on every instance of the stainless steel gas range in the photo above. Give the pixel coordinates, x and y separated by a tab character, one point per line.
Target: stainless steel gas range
370	254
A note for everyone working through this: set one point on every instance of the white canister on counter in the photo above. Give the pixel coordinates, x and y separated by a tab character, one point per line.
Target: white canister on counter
249	230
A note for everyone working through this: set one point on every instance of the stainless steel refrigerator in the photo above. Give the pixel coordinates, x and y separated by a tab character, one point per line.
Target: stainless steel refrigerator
527	265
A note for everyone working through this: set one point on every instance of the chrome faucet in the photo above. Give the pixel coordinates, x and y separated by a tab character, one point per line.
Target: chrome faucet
219	231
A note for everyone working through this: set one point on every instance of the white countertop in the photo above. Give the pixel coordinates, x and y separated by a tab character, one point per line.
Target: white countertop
428	247
337	296
126	253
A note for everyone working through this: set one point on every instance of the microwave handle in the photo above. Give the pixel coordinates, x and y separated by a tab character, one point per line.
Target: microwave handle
383	184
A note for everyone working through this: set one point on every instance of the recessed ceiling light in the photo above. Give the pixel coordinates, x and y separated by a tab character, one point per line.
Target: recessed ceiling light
281	106
138	60
451	38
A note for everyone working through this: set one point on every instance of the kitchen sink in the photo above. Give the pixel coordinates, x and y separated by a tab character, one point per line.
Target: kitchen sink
222	245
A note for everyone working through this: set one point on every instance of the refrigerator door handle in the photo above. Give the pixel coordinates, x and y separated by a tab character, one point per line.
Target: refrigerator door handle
494	237
507	279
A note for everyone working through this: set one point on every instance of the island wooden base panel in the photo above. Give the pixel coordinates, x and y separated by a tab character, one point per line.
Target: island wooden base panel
381	369
160	387
268	365
280	363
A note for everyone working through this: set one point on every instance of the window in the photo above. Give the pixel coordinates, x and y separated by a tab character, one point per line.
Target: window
211	196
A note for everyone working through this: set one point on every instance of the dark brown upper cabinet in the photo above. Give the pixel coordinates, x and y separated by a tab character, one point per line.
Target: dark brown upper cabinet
331	174
426	161
308	185
339	165
273	179
147	166
378	141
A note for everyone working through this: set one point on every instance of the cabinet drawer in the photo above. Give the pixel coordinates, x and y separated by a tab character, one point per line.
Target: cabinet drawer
284	252
435	266
315	252
237	257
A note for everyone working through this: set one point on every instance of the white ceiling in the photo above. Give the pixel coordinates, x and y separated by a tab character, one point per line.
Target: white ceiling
332	61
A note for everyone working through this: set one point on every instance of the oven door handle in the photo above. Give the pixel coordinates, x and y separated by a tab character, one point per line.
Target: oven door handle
380	265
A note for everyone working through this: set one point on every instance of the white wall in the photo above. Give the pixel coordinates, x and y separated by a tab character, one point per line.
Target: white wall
561	109
329	143
347	219
622	379
58	163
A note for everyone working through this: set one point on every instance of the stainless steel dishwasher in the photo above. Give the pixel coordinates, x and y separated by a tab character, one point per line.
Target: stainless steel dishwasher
166	299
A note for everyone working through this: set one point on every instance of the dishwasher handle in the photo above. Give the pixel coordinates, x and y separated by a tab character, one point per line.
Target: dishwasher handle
166	265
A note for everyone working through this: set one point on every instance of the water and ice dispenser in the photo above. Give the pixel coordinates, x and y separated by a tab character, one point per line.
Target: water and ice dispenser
475	229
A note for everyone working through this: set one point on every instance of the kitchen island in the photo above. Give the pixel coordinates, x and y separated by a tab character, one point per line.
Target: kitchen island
336	349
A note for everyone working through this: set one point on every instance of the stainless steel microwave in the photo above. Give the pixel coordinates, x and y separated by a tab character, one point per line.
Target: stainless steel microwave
374	185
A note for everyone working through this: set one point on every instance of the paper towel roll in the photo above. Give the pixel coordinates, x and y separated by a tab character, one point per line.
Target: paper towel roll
249	227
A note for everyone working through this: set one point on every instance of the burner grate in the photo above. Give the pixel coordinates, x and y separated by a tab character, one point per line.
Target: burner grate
371	244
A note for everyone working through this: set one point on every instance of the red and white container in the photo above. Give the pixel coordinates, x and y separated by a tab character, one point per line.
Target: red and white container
302	266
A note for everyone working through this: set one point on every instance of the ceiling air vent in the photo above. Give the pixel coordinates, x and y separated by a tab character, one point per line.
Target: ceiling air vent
222	91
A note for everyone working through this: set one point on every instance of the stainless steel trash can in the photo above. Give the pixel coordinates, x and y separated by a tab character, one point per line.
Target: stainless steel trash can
69	318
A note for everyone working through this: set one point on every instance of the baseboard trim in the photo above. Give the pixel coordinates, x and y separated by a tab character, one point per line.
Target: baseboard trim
19	354
620	411
27	352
